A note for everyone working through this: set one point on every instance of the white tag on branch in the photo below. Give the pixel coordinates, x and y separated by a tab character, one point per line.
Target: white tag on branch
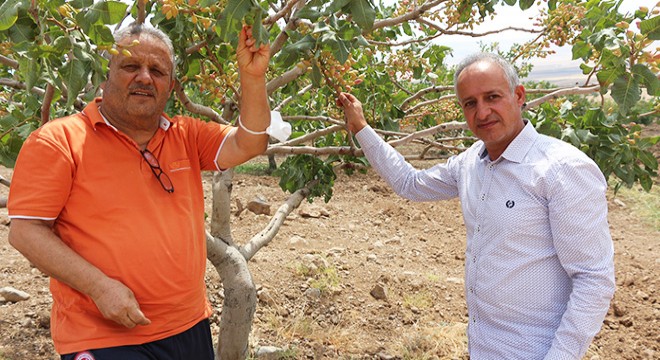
279	129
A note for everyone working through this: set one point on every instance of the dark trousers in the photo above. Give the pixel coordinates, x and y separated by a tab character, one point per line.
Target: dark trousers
192	344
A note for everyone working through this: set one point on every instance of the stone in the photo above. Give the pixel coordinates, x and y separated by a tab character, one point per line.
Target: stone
13	295
379	292
259	206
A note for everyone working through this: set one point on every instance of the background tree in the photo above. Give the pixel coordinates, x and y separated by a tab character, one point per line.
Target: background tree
389	56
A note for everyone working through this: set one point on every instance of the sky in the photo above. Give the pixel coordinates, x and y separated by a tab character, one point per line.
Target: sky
559	65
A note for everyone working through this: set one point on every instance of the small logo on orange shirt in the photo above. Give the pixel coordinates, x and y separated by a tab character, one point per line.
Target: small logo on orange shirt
85	355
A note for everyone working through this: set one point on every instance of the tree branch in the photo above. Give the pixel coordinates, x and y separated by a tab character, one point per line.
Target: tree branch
284	11
196	108
141	11
78	103
290	98
313	135
454	125
326	119
297	71
562	92
9	62
297	150
407	16
423	92
429	102
45	105
473	34
195	48
268	233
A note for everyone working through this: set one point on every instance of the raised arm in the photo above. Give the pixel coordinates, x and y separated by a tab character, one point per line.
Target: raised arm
250	139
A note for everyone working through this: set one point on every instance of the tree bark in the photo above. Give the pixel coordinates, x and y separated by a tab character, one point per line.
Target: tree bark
239	290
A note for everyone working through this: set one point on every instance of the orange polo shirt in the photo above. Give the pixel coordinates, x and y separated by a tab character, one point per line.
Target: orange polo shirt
109	207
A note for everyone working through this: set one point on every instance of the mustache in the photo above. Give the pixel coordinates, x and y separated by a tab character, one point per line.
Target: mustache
147	89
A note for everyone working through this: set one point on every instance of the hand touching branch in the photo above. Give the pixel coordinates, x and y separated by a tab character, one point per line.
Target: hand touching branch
353	112
252	60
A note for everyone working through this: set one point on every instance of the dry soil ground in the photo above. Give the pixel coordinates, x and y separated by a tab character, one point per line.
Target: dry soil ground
317	277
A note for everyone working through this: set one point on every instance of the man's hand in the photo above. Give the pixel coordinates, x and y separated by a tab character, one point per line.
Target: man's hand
252	61
353	113
117	303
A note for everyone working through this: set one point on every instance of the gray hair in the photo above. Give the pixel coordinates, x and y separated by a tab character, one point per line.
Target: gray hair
509	70
137	29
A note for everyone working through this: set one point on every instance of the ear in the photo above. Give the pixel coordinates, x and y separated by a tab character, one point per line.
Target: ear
519	92
172	82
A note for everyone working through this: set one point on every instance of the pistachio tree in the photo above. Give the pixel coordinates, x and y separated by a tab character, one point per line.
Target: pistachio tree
389	54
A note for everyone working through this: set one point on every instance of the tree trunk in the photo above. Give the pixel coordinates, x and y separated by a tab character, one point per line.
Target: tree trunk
239	290
230	262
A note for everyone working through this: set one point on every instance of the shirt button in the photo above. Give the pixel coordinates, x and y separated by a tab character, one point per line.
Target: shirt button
474	259
483	197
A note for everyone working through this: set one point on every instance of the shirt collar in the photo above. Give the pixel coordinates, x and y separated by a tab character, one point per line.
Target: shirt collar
95	117
520	145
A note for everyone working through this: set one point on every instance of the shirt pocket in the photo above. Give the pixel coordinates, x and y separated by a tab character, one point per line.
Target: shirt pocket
179	165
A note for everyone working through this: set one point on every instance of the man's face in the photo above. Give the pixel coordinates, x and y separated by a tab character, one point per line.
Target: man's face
492	112
138	86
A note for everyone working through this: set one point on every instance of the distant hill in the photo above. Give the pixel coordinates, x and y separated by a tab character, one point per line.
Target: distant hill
559	76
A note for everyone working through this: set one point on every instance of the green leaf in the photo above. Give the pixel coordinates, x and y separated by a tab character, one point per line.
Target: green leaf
646	182
569	135
290	53
605	39
648	78
9	13
230	22
607	76
308	13
258	31
581	50
302	45
24	29
648	159
338	5
626	92
74	76
82	3
526	4
406	28
110	12
104	12
361	41
101	35
341	52
316	76
363	14
586	69
194	68
651	28
587	137
30	67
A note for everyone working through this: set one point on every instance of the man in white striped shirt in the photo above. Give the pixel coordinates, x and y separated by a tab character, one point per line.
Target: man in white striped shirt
539	270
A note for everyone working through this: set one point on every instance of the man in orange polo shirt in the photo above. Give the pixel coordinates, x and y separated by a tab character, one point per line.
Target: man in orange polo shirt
109	203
